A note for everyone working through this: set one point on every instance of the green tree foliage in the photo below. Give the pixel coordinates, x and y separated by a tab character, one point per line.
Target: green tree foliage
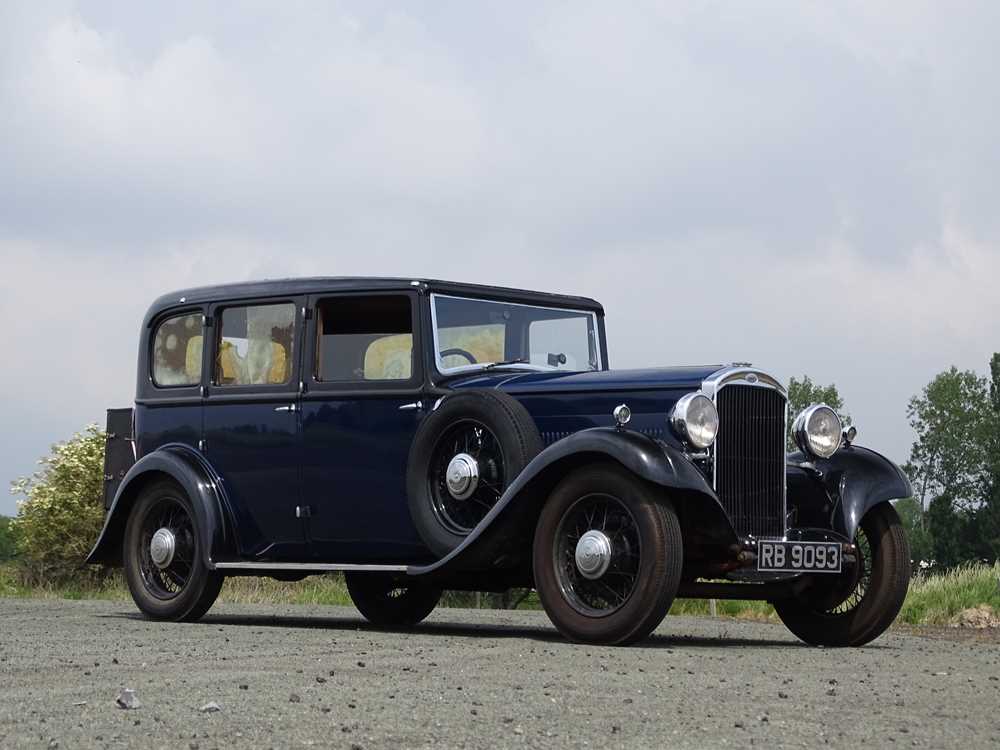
61	514
804	393
7	543
948	531
954	425
921	542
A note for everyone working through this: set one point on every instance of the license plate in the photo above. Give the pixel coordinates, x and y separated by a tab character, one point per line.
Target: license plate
798	557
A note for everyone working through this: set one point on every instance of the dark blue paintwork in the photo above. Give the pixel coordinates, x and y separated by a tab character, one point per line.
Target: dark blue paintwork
353	458
255	450
341	454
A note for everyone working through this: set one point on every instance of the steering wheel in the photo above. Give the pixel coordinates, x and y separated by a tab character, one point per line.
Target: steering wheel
459	353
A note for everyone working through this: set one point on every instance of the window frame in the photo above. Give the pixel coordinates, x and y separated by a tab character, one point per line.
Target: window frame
220	391
177	389
311	349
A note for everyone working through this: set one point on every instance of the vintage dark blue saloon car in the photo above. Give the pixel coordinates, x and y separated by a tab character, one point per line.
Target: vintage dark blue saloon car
424	435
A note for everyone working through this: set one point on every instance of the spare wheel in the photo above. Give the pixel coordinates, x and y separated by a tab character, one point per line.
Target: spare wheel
464	455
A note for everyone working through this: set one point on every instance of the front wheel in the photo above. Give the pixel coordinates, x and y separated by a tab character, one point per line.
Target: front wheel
607	556
164	564
386	602
860	604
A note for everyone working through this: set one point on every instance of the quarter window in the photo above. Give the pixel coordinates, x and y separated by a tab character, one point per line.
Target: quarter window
256	345
365	339
177	351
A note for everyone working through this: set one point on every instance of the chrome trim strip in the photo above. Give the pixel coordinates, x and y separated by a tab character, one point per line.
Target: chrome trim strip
317	567
737	375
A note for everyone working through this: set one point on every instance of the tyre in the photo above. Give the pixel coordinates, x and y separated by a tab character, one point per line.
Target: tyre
464	455
384	601
607	556
163	558
860	604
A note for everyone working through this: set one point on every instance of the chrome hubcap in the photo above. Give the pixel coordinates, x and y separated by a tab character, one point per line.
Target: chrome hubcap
462	476
593	554
162	548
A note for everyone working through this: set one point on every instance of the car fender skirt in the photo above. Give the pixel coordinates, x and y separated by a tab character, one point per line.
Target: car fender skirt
188	468
837	492
499	540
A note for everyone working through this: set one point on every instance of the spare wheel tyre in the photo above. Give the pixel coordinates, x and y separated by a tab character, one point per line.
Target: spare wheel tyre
464	455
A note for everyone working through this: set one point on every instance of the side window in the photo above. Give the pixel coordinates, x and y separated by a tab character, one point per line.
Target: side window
177	348
364	339
256	345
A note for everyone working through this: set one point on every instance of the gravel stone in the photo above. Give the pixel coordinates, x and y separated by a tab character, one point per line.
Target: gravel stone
127	699
570	696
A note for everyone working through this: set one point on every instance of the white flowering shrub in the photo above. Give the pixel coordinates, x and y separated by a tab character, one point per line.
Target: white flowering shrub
60	517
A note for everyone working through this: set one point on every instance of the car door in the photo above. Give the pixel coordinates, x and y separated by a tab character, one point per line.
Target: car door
360	409
251	427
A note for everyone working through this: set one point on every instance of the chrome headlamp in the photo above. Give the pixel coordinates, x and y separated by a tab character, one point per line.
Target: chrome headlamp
818	431
695	420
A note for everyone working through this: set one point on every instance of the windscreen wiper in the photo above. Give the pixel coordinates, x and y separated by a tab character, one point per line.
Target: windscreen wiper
515	361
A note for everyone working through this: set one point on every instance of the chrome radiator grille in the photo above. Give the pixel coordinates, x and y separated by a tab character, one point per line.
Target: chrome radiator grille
750	459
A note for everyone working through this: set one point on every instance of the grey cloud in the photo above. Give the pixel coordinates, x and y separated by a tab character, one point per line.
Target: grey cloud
809	187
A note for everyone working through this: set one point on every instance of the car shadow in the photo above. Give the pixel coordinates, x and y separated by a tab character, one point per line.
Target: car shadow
542	633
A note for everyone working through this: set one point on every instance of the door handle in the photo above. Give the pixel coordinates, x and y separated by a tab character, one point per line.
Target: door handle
290	407
415	406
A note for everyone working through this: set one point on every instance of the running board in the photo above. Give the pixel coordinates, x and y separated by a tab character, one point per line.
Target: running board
310	567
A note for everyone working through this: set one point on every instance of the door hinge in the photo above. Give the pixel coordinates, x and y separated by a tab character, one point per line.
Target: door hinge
303	511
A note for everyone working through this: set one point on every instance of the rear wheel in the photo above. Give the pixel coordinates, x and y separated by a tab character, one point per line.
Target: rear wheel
860	604
163	558
384	601
607	556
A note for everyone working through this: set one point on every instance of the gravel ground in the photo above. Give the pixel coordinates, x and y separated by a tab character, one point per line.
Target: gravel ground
295	676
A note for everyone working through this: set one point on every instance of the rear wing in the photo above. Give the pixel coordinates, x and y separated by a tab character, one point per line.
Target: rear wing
119	452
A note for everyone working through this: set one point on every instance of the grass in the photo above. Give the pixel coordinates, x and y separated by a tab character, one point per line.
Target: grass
937	599
934	599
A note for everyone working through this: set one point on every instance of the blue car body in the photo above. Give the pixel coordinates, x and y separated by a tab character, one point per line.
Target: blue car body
311	476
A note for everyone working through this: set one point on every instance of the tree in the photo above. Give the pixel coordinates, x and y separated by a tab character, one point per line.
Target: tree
7	543
988	515
804	393
921	542
948	532
62	512
953	421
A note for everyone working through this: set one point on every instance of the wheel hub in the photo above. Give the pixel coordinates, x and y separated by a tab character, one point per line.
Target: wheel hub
593	554
462	476
162	548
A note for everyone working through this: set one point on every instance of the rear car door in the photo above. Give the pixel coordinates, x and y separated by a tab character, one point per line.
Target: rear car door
251	427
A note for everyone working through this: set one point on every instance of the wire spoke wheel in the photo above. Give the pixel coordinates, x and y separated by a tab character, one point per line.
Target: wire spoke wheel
857	606
167	579
604	594
162	555
861	573
386	601
467	437
607	555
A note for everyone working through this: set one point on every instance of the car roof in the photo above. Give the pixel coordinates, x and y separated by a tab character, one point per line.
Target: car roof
322	284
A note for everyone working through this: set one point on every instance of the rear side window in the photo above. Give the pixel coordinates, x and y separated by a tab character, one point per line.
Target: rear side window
256	345
365	339
177	351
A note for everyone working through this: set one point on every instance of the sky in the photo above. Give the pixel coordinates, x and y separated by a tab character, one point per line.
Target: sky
806	186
